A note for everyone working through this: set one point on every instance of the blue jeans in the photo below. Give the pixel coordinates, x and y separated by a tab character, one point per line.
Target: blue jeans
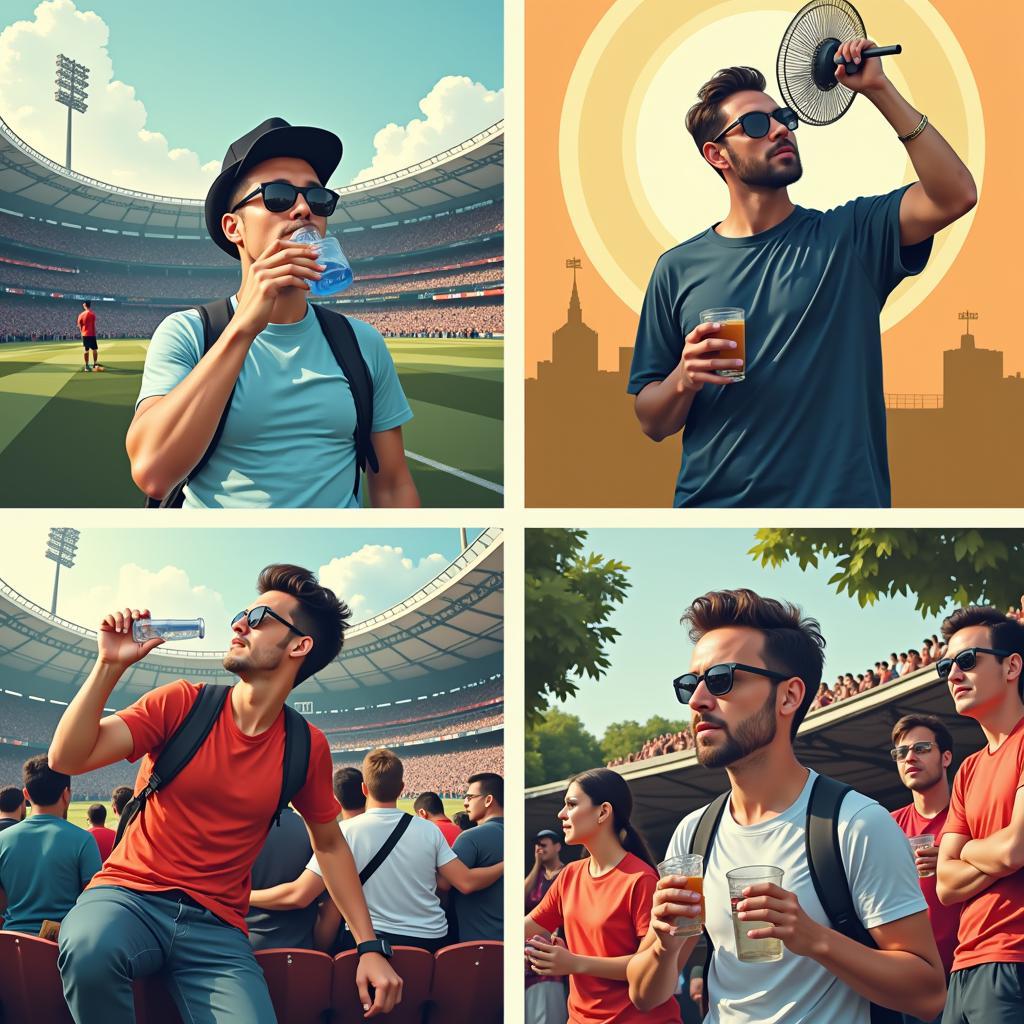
113	935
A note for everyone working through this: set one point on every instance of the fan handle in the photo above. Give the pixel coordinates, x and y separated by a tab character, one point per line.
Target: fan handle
873	51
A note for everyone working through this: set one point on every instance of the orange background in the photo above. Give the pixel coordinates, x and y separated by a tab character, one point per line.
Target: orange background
980	278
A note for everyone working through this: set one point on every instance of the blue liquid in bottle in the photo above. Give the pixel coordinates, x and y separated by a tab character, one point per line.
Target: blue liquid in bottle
337	275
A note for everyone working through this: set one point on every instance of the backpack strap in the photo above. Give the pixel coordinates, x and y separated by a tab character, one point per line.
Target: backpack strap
703	838
389	844
178	750
345	347
296	760
828	874
215	316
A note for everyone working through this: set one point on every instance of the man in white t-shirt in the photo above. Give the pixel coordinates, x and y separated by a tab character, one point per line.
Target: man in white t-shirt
401	894
755	669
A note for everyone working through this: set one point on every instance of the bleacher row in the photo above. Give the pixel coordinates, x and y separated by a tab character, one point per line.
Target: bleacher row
451	229
459	983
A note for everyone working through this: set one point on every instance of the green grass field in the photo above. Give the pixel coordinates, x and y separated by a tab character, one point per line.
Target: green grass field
76	812
62	431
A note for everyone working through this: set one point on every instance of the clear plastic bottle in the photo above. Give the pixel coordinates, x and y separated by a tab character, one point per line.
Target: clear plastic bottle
338	273
169	629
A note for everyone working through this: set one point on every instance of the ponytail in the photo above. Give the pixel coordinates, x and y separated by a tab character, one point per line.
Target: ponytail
604	786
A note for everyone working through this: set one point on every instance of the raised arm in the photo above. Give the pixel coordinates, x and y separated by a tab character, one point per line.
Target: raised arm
945	189
82	741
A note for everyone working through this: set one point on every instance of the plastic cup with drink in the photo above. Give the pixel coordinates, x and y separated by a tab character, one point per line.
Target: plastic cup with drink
752	951
692	866
733	328
169	629
337	275
925	842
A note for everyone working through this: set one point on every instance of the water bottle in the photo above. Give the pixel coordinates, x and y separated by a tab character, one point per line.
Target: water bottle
337	275
169	629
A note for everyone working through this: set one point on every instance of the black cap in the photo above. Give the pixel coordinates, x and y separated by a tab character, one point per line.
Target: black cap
320	148
546	833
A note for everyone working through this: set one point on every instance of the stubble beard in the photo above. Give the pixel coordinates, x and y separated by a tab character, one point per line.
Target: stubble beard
751	735
761	173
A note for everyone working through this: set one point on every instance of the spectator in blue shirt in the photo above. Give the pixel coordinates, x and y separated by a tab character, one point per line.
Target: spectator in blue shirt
45	861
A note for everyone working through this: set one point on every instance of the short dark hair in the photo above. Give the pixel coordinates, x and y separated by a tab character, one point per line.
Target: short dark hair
792	642
120	797
924	721
429	802
463	820
705	119
97	814
87	304
348	788
1005	633
44	785
11	798
382	773
320	614
491	784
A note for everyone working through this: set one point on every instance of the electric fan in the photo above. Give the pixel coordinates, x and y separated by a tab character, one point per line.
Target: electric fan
806	64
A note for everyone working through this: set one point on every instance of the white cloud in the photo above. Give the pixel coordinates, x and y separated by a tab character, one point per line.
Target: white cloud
111	140
168	594
455	109
378	576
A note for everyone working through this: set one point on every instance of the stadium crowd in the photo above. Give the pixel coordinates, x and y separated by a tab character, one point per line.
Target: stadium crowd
439	320
372	242
446	729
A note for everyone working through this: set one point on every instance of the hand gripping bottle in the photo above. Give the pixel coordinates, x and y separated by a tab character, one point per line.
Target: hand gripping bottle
169	629
338	273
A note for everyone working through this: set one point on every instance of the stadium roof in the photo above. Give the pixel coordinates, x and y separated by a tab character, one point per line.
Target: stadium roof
450	632
33	184
848	740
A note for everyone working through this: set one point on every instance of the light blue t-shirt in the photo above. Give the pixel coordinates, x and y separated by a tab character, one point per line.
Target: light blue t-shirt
288	438
45	863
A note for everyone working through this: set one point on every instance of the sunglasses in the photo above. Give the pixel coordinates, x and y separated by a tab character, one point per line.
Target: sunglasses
279	196
718	679
922	747
966	660
256	615
756	123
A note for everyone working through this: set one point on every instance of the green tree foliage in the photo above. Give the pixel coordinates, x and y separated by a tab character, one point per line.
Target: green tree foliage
937	566
623	738
569	597
559	746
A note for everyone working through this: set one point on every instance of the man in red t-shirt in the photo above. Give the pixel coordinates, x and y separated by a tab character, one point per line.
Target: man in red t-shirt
87	326
922	748
981	855
97	815
431	807
173	894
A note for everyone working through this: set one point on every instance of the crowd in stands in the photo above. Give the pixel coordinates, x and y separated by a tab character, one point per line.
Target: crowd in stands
450	727
449	280
446	772
399	238
464	699
439	320
49	320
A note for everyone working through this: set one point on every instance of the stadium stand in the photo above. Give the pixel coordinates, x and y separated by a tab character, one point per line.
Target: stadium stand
434	230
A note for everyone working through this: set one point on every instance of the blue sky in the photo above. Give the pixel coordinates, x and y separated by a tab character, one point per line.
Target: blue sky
205	72
671	567
186	573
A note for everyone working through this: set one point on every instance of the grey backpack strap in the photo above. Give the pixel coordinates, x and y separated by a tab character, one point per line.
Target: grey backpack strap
703	838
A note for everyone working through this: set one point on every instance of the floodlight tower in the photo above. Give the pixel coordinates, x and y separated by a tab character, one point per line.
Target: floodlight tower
72	81
61	547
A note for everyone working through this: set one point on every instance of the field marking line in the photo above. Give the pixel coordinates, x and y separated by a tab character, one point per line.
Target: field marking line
452	471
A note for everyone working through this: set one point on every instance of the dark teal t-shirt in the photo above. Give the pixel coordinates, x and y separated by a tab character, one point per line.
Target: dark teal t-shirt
806	429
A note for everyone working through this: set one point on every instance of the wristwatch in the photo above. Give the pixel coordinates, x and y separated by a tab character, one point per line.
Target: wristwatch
381	946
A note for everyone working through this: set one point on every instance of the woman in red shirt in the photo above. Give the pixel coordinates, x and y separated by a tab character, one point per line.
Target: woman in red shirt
601	902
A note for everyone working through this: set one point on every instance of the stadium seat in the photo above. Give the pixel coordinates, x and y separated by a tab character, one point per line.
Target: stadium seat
299	981
414	966
30	985
467	984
